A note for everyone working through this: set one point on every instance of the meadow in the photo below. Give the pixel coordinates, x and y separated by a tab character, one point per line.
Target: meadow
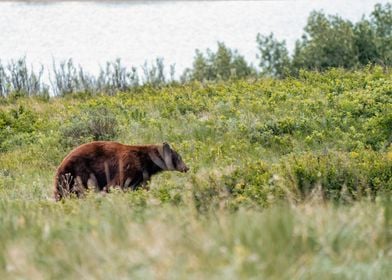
289	179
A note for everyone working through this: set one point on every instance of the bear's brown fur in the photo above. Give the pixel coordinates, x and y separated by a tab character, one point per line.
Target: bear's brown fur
103	164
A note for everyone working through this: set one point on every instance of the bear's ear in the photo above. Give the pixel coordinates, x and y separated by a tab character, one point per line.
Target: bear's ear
167	156
157	160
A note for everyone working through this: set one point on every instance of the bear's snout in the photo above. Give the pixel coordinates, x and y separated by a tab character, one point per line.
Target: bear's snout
186	169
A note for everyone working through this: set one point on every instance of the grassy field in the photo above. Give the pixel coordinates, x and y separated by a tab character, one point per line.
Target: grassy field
289	179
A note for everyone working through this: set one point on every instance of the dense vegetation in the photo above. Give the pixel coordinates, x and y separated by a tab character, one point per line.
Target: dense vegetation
330	41
289	179
291	168
327	42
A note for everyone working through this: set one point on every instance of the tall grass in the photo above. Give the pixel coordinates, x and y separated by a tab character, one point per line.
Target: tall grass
289	179
120	237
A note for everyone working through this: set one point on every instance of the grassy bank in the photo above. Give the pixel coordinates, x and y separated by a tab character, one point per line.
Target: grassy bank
289	179
116	237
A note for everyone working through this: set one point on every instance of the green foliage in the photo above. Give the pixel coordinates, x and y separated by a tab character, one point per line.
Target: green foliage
90	124
340	176
366	43
327	42
288	179
330	41
17	127
127	236
223	65
381	20
274	57
337	176
253	184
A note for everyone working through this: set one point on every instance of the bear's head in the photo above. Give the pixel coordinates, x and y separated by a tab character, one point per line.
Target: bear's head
172	159
167	158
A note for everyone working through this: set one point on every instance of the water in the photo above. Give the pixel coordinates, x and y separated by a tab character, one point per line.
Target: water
94	32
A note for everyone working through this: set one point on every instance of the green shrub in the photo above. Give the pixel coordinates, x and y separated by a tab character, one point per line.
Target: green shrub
224	64
321	45
253	184
91	124
17	127
206	192
274	56
339	175
331	41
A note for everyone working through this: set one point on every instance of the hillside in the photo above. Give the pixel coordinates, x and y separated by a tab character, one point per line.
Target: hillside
293	174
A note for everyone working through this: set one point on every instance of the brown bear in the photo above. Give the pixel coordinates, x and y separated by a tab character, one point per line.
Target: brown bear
103	164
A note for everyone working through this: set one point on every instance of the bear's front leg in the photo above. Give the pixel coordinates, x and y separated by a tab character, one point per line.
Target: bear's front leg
146	180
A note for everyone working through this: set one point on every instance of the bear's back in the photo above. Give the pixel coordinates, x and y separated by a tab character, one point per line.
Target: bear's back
95	153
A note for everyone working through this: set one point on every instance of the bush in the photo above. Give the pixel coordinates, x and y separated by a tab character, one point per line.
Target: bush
327	42
17	80
225	64
91	124
274	56
338	175
253	184
330	41
17	127
247	143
